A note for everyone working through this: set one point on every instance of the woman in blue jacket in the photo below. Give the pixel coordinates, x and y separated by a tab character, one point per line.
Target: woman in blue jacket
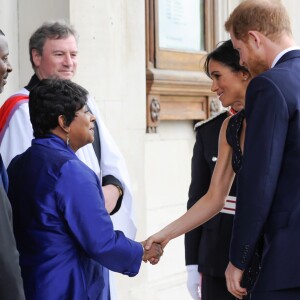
63	231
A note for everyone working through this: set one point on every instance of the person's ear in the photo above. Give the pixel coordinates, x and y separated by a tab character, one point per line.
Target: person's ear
254	38
36	57
245	75
62	123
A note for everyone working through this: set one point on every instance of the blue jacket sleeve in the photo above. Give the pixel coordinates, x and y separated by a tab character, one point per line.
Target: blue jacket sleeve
81	202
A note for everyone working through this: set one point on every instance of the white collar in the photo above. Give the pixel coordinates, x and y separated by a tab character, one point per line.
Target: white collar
279	55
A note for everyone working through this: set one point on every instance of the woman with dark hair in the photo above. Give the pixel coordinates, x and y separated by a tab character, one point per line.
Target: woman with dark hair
229	82
229	78
63	231
226	55
207	246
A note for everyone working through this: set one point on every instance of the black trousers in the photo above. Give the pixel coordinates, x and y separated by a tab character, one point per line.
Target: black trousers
287	294
214	288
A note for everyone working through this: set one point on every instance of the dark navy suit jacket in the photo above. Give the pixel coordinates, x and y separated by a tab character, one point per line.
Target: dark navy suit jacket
268	195
11	284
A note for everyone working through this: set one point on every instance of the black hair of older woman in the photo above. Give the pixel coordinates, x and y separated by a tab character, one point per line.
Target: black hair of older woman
226	55
52	98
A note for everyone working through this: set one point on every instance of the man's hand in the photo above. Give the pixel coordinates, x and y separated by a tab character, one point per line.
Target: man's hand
153	254
111	196
233	281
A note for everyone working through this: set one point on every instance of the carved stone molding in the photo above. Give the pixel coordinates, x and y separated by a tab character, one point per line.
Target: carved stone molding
153	113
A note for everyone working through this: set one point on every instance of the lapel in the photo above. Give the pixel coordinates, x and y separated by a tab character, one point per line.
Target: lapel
288	55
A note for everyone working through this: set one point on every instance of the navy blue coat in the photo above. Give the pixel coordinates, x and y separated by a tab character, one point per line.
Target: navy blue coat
268	196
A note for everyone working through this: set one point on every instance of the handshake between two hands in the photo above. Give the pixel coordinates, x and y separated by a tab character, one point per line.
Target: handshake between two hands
154	246
152	252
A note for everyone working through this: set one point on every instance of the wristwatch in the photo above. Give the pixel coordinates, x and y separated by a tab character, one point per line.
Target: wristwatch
120	190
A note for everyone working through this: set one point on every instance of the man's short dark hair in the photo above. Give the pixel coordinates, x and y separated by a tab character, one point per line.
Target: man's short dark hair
49	30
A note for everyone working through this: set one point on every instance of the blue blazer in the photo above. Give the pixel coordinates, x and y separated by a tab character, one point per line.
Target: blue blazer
63	231
268	191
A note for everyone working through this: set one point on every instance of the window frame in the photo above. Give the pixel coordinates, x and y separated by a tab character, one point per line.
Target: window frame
176	85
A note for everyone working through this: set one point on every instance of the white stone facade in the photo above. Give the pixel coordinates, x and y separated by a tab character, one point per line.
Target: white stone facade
112	68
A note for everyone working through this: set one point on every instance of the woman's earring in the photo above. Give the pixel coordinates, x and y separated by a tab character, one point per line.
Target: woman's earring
68	139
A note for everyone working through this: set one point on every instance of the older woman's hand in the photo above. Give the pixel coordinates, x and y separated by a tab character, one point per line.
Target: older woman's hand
153	254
